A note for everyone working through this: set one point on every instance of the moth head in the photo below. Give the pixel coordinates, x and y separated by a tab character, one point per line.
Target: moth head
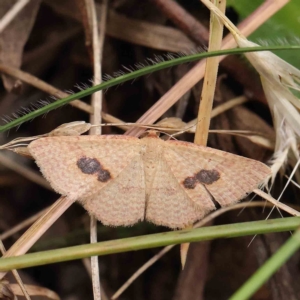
151	134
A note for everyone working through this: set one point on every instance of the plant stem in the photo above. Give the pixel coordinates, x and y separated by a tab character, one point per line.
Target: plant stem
269	268
149	241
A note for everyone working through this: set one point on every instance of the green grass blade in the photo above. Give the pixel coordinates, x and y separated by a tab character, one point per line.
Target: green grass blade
133	75
269	268
149	241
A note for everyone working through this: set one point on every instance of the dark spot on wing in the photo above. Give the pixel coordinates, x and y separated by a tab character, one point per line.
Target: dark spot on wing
207	176
103	175
89	165
190	182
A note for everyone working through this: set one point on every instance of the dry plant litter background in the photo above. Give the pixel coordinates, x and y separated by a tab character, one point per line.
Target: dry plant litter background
56	43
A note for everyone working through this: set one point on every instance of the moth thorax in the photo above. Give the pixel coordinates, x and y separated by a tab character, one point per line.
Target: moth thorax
151	159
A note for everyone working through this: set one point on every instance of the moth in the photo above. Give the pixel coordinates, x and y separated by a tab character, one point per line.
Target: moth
122	180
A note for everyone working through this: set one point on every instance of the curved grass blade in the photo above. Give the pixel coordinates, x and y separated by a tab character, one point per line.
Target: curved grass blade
155	65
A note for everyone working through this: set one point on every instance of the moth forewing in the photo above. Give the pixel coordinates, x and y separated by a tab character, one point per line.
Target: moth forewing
227	177
81	166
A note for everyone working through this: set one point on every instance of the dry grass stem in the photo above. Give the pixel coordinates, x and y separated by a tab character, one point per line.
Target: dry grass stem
208	92
255	137
228	105
139	32
12	13
210	78
146	34
184	20
87	265
25	242
220	109
95	118
276	203
16	275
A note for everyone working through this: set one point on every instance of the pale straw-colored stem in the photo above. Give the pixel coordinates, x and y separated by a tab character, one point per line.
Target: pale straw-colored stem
276	203
12	13
95	118
210	78
208	92
25	242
